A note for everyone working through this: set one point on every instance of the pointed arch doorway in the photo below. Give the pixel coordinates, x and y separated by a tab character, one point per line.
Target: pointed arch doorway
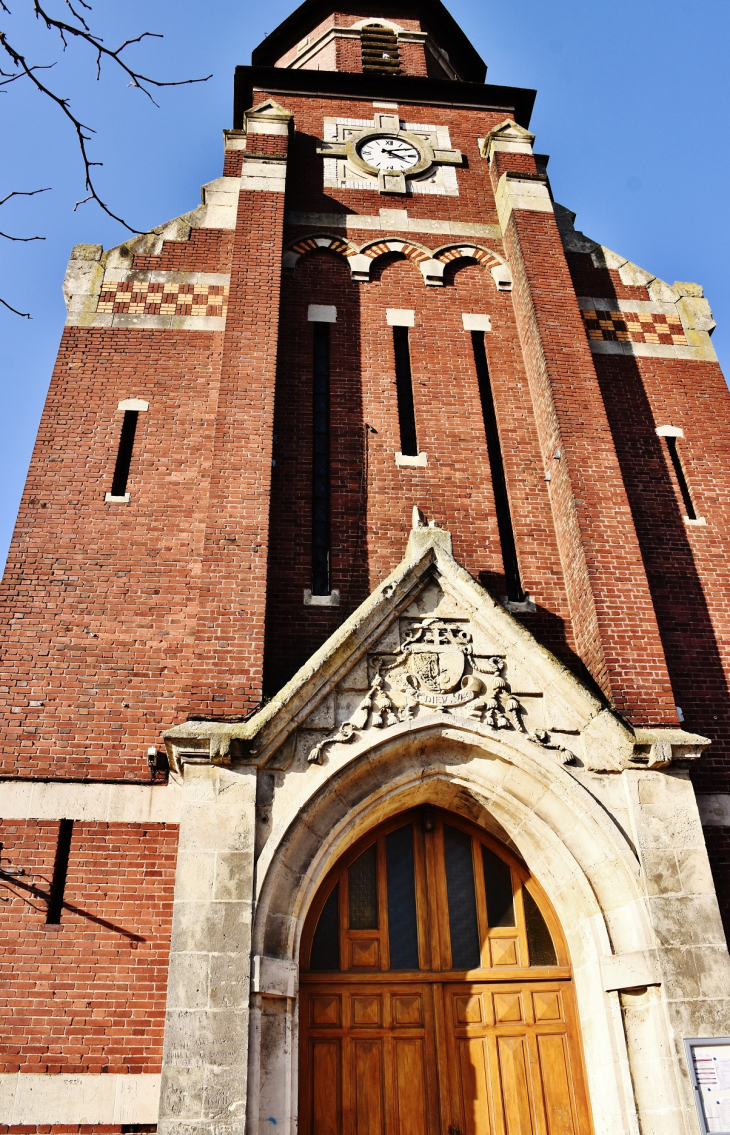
436	992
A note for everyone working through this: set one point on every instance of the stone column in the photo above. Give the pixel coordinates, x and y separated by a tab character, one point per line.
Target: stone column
205	1056
684	980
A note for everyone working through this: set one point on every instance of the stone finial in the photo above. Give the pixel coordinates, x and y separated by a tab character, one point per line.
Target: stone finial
419	520
269	109
508	136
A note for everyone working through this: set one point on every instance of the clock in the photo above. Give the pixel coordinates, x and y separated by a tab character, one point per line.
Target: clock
385	152
388	153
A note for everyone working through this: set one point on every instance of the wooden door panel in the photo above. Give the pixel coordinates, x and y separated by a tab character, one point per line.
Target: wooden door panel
367	1011
369	1060
477	1041
326	1010
555	1075
514	1050
548	1005
508	1007
514	1085
326	1087
369	1087
410	1086
407	1010
474	1086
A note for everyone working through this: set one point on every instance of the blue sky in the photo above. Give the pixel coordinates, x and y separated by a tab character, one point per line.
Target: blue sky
632	106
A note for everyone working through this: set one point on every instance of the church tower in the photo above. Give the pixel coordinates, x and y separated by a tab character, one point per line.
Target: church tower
364	628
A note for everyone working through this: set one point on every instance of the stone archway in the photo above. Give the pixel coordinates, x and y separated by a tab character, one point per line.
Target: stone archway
579	855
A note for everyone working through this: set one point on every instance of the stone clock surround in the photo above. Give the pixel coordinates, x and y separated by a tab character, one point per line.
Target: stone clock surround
390	181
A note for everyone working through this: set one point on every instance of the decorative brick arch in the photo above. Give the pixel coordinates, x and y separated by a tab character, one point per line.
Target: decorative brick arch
430	263
416	253
485	257
377	21
316	242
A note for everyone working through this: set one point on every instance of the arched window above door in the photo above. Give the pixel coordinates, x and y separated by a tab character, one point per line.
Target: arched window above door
428	892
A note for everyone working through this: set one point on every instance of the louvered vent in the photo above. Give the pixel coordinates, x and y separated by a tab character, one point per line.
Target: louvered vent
380	50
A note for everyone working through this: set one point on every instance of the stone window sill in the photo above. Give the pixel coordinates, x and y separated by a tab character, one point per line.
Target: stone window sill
331	600
402	460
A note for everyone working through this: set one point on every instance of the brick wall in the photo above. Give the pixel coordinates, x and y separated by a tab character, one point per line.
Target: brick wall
686	565
158	611
372	498
97	607
207	250
89	994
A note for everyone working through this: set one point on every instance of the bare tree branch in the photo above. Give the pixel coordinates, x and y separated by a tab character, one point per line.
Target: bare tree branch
23	68
97	43
22	314
24	193
22	239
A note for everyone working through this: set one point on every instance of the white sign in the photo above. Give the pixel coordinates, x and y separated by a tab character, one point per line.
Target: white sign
709	1061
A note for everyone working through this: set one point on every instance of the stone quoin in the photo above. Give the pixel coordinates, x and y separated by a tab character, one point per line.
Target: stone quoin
365	735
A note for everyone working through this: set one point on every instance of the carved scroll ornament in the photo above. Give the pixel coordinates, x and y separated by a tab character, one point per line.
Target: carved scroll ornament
435	668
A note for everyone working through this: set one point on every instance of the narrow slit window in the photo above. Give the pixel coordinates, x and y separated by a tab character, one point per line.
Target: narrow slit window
404	390
325	953
539	941
321	461
681	479
462	900
362	886
124	453
496	465
498	888
60	870
402	924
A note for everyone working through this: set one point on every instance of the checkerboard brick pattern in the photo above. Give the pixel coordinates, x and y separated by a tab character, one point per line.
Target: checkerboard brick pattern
634	327
131	297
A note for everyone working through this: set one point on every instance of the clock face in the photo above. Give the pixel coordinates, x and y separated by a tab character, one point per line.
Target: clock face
390	154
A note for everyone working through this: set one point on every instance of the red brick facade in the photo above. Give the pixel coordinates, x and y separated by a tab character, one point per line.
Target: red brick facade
122	620
86	994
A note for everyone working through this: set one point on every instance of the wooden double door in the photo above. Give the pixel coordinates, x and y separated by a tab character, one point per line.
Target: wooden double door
431	1050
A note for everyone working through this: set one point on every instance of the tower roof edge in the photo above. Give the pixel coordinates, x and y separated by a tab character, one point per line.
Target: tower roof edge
402	88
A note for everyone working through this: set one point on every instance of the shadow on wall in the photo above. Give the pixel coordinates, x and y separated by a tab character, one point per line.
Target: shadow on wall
693	658
307	193
549	630
294	631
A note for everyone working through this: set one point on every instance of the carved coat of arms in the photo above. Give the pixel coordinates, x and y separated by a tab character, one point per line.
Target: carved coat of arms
436	668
